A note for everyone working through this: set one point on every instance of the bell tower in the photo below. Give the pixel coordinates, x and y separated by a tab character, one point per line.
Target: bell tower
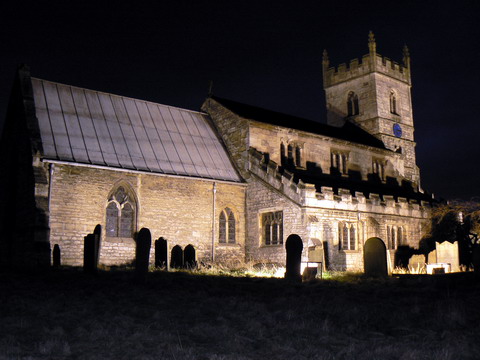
374	93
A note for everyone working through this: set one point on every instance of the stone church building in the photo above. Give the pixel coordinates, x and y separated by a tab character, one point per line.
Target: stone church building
233	181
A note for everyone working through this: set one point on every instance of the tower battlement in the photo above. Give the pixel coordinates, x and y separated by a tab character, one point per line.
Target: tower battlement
371	62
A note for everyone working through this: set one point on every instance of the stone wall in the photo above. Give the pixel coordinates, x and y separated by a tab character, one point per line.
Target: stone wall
176	208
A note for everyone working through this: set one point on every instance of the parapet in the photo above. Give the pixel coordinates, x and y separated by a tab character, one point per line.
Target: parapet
306	194
371	62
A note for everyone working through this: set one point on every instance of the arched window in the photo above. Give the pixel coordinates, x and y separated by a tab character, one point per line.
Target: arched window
298	156
352	104
272	224
347	239
399	236
120	214
283	156
226	233
393	103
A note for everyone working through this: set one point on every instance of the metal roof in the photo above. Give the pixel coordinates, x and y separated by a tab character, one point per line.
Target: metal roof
92	127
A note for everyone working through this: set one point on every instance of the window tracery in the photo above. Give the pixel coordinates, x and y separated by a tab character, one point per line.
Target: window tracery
120	213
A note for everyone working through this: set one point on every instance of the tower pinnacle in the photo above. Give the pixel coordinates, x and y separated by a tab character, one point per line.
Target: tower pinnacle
372	45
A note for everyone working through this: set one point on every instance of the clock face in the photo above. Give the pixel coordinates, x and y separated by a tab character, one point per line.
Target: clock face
397	130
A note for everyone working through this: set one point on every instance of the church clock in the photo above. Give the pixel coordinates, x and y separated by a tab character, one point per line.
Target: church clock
397	130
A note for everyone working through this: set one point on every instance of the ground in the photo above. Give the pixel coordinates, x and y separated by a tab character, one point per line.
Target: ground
66	314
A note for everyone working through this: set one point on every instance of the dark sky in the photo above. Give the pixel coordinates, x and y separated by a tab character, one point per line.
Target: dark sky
264	53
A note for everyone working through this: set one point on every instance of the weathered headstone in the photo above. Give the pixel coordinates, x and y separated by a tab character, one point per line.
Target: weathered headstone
176	260
375	258
56	256
417	263
142	253
98	235
294	247
89	254
189	257
161	253
447	253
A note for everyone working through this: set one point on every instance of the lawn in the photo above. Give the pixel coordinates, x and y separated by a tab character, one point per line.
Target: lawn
66	314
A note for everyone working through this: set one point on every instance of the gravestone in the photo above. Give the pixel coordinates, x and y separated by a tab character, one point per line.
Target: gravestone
189	257
56	256
375	258
161	253
142	253
89	254
294	247
417	263
176	261
98	235
447	253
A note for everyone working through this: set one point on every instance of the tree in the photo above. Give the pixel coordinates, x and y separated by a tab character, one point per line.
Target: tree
455	221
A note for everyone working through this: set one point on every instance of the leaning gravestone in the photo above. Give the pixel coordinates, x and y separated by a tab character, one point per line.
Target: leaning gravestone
375	258
142	253
294	247
161	253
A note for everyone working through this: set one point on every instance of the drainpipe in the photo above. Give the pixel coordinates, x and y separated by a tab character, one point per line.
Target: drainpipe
214	191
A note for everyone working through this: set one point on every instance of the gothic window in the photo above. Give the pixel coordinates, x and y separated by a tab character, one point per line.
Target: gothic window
352	104
339	161
394	236
378	168
393	103
120	214
226	233
272	228
283	156
347	239
298	156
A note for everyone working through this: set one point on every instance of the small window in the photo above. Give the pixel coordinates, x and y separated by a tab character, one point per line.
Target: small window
393	103
283	156
120	214
352	104
339	161
226	233
347	239
378	168
395	236
272	228
298	156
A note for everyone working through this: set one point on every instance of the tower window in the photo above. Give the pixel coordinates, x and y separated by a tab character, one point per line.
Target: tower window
352	104
393	103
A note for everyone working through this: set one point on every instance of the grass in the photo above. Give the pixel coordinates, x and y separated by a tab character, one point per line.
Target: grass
180	315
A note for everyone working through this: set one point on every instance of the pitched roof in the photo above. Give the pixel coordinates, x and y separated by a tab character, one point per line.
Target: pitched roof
348	132
92	127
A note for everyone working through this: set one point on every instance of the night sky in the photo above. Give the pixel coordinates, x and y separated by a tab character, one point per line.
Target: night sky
263	53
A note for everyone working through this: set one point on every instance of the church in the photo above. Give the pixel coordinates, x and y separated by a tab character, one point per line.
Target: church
232	181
